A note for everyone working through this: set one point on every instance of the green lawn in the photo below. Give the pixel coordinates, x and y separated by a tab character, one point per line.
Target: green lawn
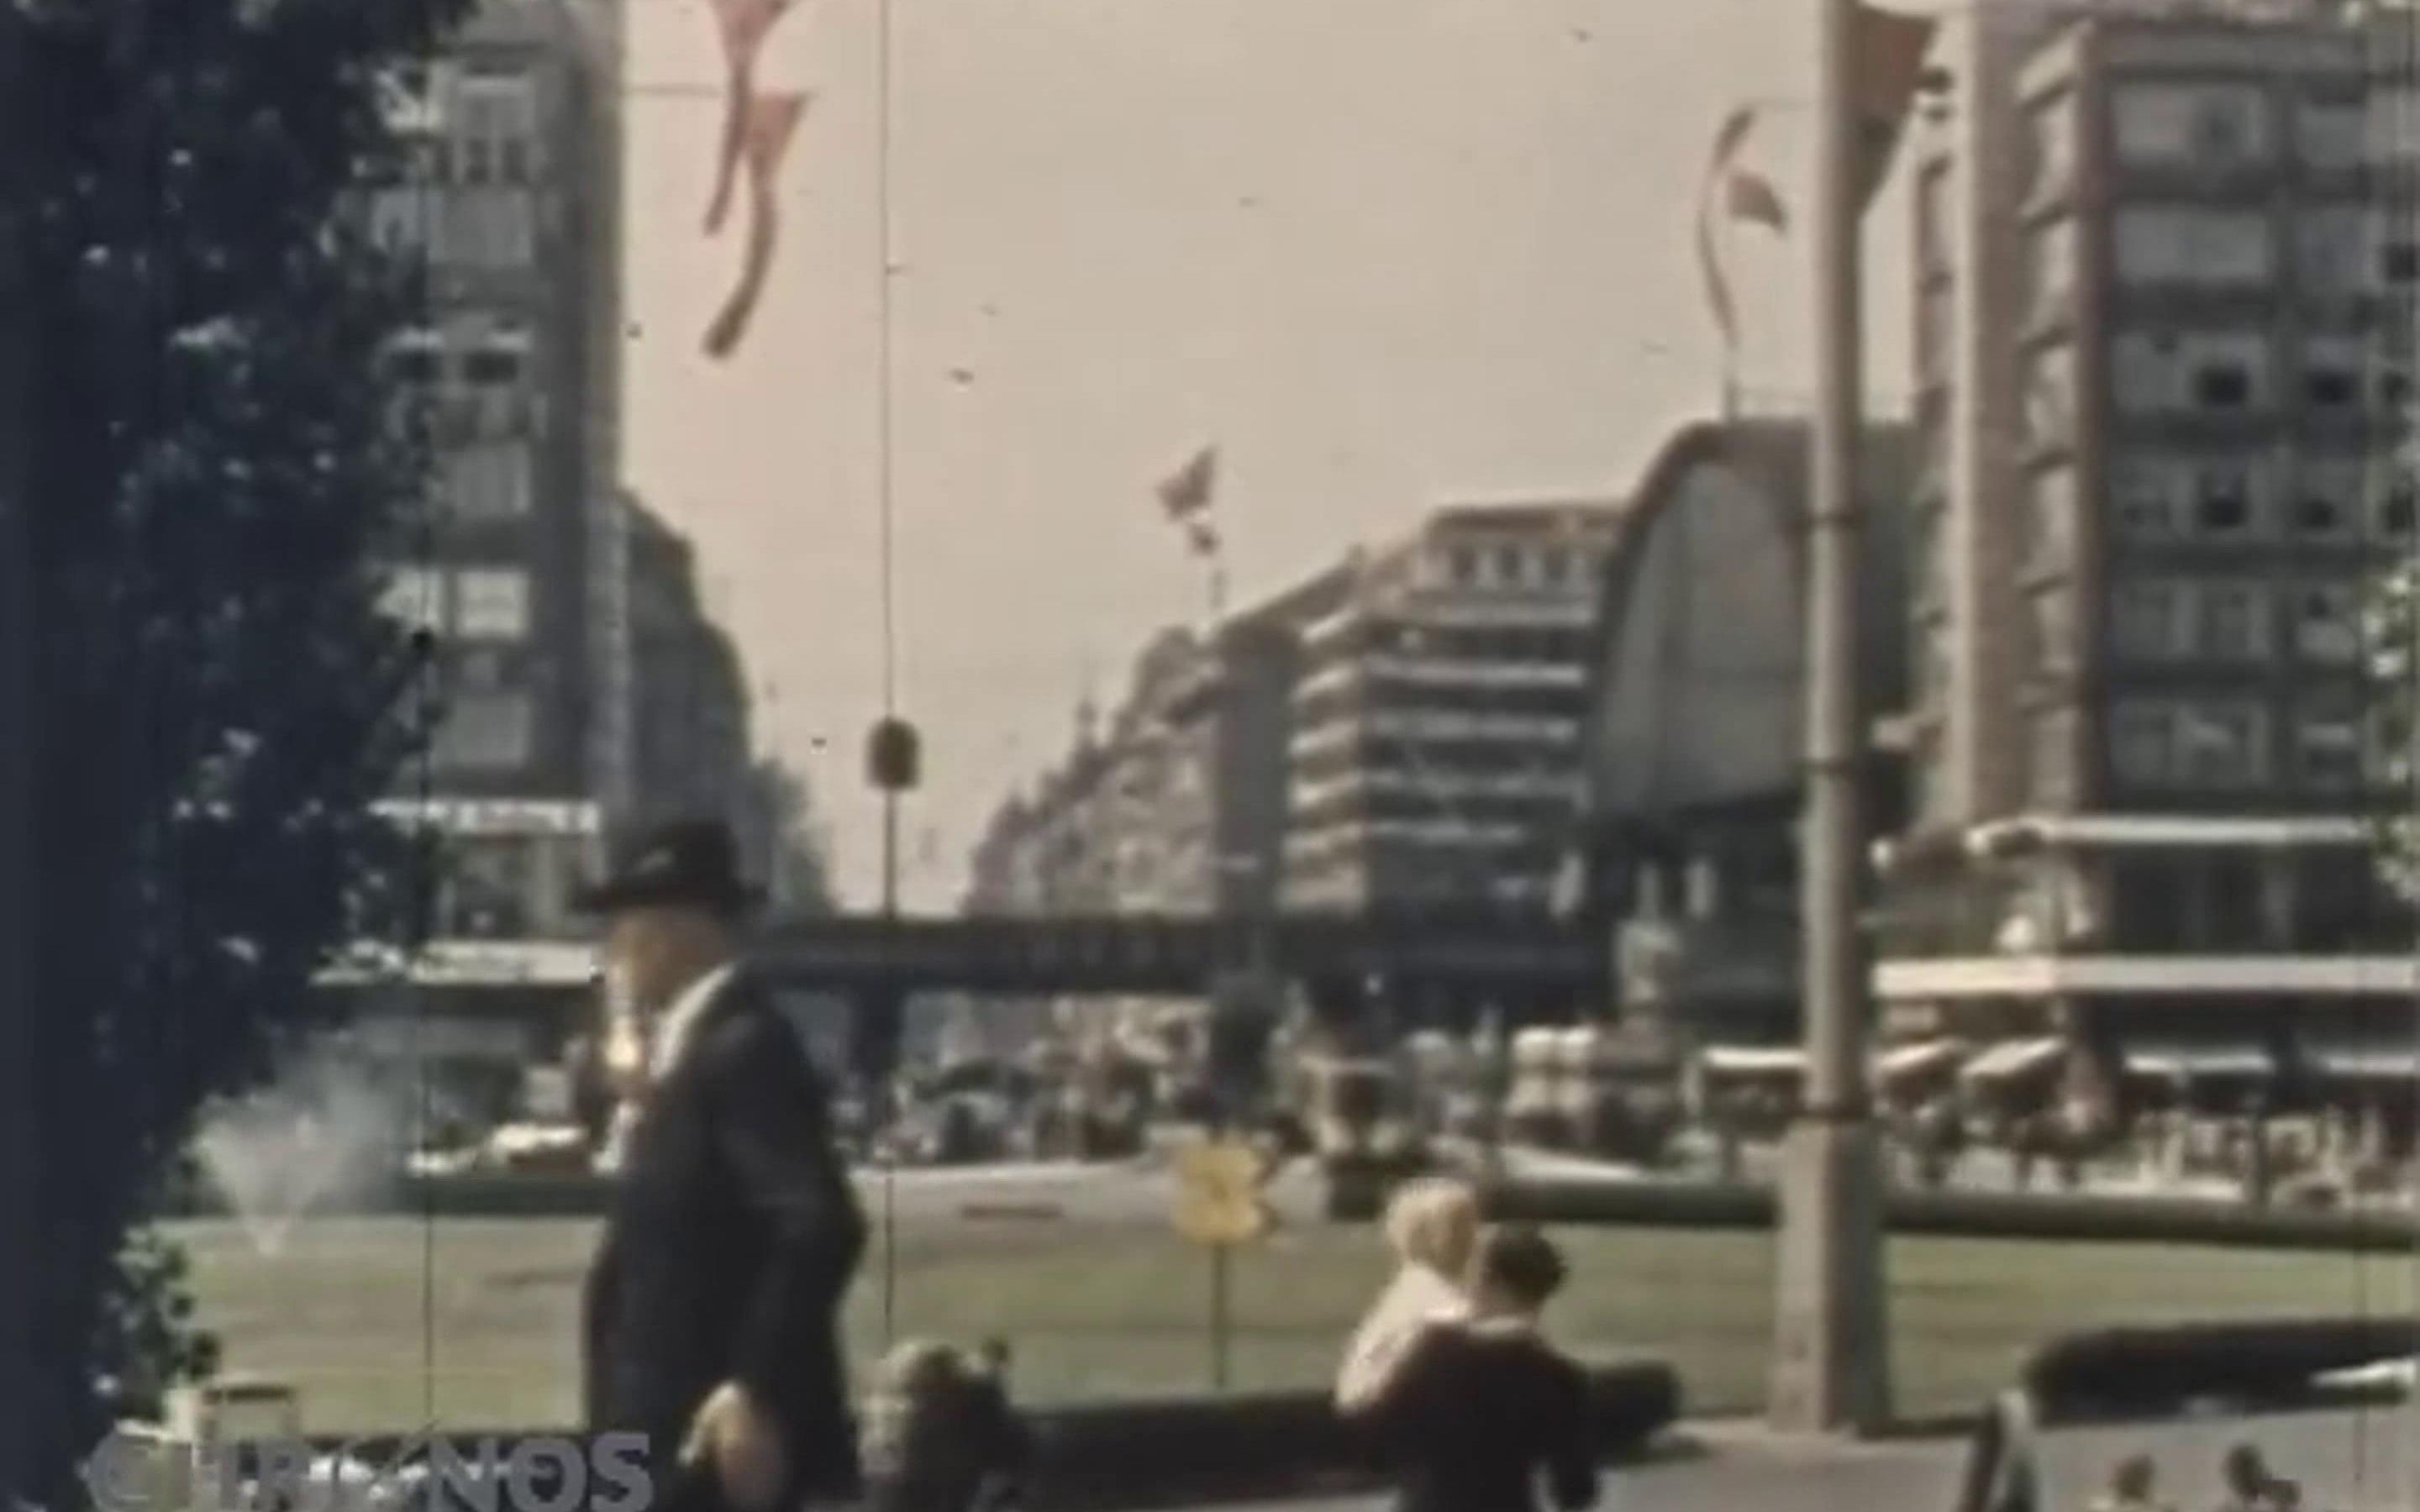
383	1322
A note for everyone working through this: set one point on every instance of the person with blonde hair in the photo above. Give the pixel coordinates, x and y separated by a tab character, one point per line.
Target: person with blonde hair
1433	1227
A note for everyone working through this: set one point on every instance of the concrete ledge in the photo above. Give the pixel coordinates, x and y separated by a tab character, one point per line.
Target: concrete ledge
1968	1215
1129	1456
2132	1372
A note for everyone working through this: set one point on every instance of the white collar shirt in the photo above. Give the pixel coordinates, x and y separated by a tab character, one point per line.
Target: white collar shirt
679	1023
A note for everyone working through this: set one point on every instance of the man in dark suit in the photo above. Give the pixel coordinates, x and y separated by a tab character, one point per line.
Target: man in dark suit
712	1312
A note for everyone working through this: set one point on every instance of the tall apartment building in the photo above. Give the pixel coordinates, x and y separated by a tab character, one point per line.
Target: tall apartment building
2164	369
511	201
1435	755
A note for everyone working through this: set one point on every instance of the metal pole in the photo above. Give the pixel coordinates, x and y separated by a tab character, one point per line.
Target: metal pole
1830	1366
18	1132
885	1114
1219	1325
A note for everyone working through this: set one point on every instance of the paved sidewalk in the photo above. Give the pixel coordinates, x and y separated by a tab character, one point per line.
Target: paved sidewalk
1739	1467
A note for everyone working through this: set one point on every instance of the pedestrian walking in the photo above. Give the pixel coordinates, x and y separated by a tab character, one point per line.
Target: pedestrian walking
712	1308
1432	1226
1482	1407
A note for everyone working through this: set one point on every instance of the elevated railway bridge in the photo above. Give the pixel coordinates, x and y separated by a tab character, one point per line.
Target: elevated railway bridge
1342	961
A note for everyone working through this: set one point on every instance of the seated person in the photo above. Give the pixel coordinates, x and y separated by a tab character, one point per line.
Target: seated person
1432	1226
2134	1486
2253	1487
1481	1406
941	1435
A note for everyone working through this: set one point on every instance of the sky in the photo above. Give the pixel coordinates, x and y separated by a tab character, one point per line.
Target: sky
1385	254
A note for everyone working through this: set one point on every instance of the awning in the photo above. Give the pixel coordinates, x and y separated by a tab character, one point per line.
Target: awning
1753	1060
2197	1059
2014	1060
1916	1059
2383	1058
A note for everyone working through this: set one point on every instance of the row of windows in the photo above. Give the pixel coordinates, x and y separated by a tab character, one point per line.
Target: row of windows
2221	374
2338	499
1440	803
490	603
2231	743
502	357
1508	566
2229	125
1463	757
486	119
2224	620
2337	249
1568	647
488	229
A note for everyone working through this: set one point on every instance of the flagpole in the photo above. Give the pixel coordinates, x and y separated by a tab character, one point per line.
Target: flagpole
1729	252
1830	1359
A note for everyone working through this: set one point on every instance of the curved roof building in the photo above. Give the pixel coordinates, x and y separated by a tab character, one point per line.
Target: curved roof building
1696	712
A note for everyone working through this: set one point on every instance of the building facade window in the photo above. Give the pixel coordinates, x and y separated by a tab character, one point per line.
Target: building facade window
490	481
2150	497
2235	621
2051	267
2207	126
2050	519
491	603
2327	623
2332	372
1936	245
2394	117
2396	496
2230	500
2209	373
2050	396
2331	135
2051	615
2051	131
2148	621
2327	499
486	732
1934	665
496	125
414	597
495	228
2141	742
2158	244
2050	757
2221	742
2333	250
2327	745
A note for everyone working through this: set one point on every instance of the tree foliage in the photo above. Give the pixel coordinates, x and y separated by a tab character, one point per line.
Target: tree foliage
214	461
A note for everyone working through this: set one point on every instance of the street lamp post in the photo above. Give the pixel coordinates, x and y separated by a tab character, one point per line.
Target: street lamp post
17	772
1830	1370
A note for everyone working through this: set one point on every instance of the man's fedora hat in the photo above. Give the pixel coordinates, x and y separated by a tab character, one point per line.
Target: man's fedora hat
679	863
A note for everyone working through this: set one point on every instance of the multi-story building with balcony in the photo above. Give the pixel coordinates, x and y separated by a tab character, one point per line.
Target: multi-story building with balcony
2163	269
1434	752
509	200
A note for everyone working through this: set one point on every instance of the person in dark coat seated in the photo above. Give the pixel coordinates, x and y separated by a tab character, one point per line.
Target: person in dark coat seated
1482	1408
711	1318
